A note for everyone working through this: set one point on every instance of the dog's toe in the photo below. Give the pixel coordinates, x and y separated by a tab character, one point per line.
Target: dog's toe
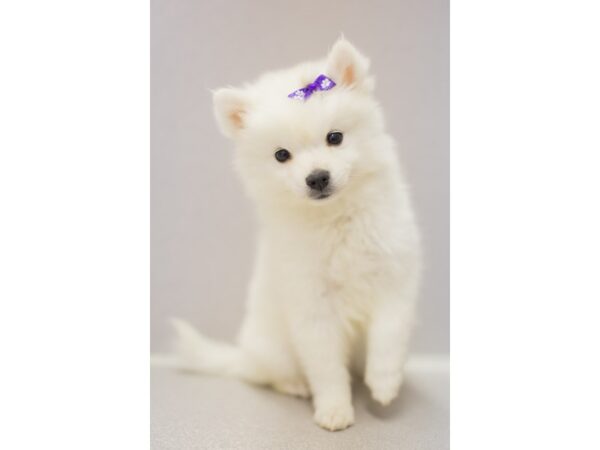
334	418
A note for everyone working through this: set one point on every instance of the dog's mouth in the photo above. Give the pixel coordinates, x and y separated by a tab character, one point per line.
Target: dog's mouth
320	195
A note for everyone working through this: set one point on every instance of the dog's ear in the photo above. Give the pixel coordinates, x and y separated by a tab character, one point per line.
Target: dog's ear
346	65
231	107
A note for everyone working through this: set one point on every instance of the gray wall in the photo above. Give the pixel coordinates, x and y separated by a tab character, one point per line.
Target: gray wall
202	226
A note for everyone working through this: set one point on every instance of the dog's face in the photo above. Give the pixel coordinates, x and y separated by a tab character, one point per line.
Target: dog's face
310	150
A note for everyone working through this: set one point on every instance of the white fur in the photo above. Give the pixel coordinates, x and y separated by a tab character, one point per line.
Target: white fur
336	279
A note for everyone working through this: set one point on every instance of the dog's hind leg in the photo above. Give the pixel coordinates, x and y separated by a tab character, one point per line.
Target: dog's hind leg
265	338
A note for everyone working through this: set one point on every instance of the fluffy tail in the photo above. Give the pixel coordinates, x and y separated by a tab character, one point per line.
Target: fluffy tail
194	352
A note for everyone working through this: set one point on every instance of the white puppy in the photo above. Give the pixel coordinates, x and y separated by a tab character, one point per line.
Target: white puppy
338	266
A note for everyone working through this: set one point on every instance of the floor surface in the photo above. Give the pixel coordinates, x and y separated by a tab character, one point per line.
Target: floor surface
201	412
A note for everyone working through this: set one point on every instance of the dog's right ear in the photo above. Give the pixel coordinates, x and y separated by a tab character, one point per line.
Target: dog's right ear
346	65
231	107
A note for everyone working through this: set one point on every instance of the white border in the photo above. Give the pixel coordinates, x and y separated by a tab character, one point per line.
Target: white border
525	225
74	232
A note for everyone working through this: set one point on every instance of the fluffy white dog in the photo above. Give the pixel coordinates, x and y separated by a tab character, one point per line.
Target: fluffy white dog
338	266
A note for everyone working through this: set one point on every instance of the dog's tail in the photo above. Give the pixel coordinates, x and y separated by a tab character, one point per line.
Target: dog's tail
194	352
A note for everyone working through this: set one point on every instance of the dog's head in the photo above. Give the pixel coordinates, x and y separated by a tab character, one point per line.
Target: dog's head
310	150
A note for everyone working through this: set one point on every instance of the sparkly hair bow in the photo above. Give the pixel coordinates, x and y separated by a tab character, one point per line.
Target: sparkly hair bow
321	83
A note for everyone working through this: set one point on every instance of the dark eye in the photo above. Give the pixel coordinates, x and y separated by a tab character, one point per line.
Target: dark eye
334	138
282	155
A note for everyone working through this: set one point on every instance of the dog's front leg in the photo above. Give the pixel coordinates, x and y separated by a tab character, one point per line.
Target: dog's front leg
387	342
322	348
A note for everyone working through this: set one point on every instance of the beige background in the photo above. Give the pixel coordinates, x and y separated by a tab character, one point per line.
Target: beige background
202	226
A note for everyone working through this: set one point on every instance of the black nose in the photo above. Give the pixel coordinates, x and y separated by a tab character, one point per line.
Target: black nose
318	179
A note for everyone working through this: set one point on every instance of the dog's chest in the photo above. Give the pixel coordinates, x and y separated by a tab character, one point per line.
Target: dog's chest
353	261
346	262
349	250
354	258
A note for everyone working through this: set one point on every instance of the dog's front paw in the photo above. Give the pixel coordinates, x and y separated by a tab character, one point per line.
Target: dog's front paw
335	417
384	385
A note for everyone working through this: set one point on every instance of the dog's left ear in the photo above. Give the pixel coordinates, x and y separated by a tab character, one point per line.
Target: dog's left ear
346	65
230	107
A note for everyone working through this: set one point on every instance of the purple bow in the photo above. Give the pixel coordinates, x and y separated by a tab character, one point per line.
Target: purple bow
321	83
